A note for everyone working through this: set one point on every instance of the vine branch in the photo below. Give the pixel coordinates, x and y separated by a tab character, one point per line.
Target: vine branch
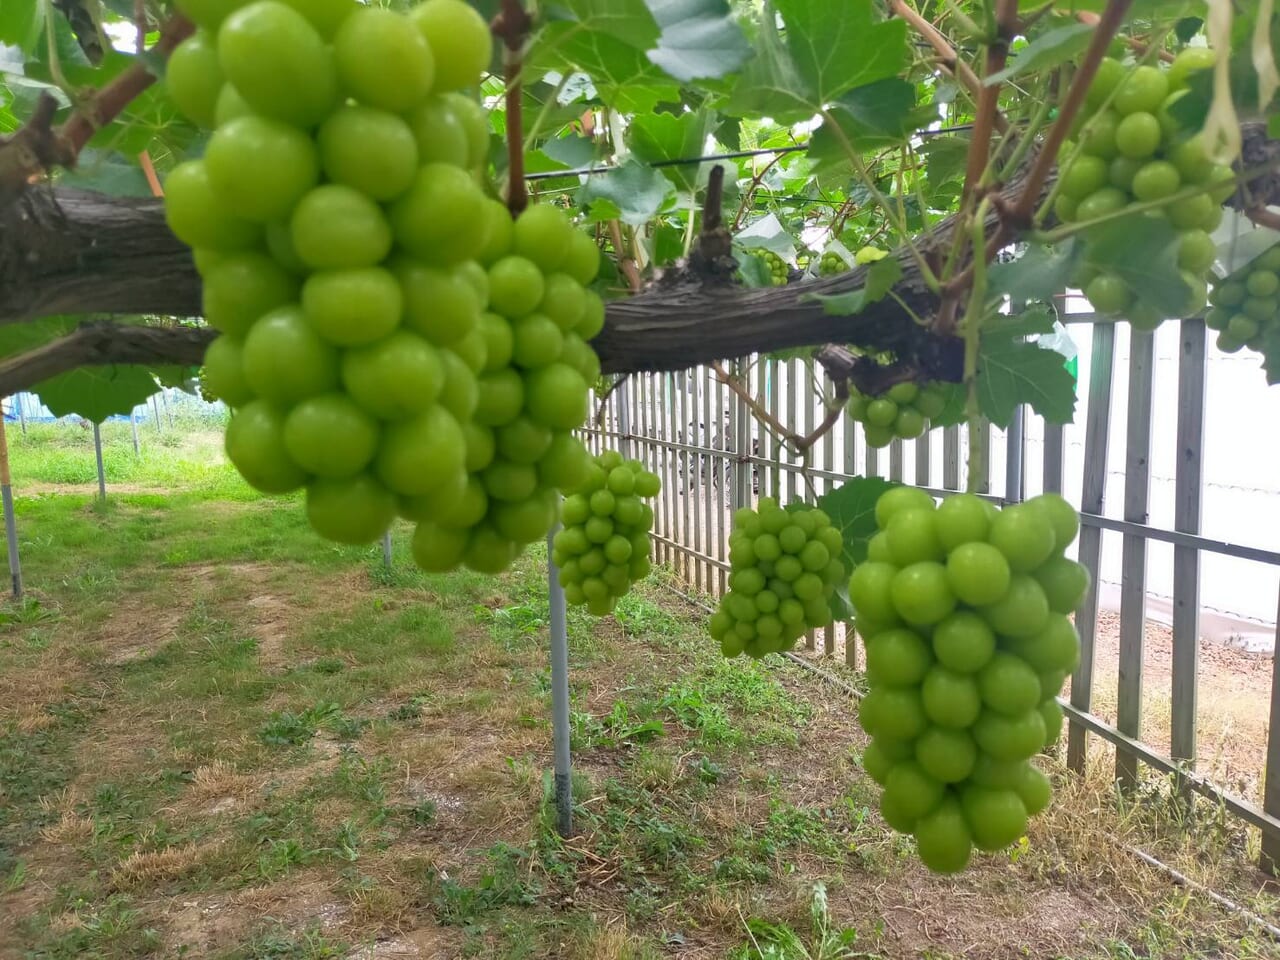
511	26
38	146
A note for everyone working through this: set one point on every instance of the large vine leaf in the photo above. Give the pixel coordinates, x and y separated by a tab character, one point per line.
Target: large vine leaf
658	137
852	509
700	39
633	193
878	114
831	47
19	25
97	393
1013	371
1040	268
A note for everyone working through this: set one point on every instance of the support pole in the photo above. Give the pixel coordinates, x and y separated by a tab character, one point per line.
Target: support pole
22	411
386	549
164	398
10	521
622	404
102	471
133	425
1015	449
155	412
560	697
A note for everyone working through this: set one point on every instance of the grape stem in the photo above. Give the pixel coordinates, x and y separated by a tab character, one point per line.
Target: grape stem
947	56
1019	215
38	146
512	26
798	443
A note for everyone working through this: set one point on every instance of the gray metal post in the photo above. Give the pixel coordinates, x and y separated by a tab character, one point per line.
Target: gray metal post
97	452
155	412
560	697
22	411
1015	449
133	425
164	398
386	549
10	521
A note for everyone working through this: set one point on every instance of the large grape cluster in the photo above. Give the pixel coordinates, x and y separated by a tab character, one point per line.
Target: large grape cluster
1132	150
390	340
903	412
604	546
784	567
1246	306
965	612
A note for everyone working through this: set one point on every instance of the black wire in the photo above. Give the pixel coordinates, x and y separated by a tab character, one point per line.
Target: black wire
694	161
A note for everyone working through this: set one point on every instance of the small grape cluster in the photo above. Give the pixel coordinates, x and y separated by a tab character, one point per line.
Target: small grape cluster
1246	306
964	609
1132	150
389	339
604	545
903	412
777	267
784	567
831	263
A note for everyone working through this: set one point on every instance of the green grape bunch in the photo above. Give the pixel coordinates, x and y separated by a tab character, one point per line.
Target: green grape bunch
1131	150
604	545
903	412
965	610
831	263
390	341
1246	305
784	567
777	267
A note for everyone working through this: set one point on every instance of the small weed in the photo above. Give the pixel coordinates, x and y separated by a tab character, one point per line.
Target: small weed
504	883
288	729
26	611
423	813
616	729
280	857
282	944
16	879
778	941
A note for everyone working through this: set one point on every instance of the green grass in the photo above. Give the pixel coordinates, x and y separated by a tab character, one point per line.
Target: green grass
206	704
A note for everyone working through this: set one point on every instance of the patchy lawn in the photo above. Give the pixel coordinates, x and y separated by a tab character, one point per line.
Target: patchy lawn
221	737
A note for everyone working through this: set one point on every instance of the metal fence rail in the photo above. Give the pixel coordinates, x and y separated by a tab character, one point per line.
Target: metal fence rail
714	456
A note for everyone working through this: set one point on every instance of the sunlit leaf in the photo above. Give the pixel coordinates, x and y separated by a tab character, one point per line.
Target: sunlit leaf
700	39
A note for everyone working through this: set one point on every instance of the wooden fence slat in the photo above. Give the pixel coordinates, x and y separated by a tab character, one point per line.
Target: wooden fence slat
923	452
1097	429
1054	452
1015	449
850	468
1271	790
1133	557
951	458
895	460
1188	482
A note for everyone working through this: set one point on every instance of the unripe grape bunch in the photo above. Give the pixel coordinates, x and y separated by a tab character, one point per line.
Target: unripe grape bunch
1131	150
604	546
902	412
965	612
777	267
1246	305
831	263
390	341
784	567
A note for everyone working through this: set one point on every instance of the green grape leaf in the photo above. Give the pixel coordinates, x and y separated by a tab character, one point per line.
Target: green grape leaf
1047	50
700	39
878	114
633	193
105	173
881	276
754	271
1142	251
1012	372
658	137
96	393
1040	272
831	47
852	509
624	77
953	412
629	20
20	27
767	233
1035	319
